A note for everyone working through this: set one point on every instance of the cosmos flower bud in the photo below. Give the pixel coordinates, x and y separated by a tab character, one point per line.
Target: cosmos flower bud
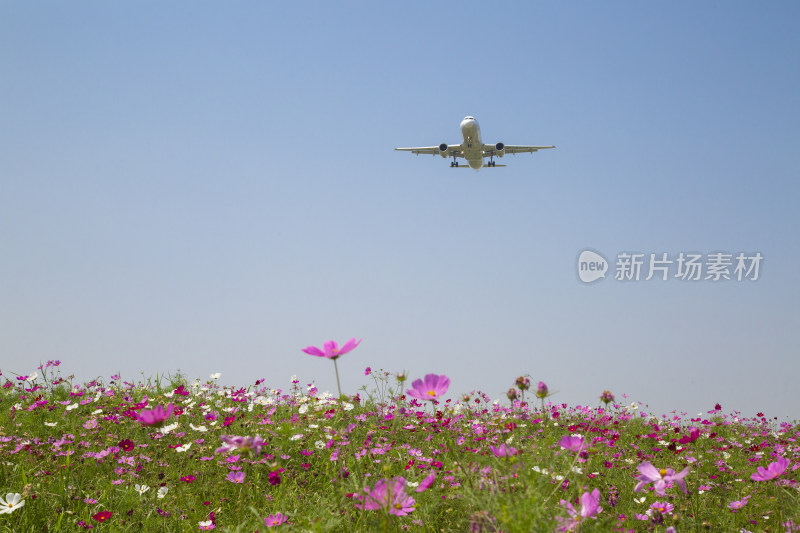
523	383
401	377
607	397
512	394
541	390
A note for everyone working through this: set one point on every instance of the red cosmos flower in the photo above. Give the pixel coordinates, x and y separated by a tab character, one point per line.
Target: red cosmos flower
274	477
102	516
188	479
126	444
693	435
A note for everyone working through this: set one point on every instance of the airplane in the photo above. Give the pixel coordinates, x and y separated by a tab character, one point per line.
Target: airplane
472	148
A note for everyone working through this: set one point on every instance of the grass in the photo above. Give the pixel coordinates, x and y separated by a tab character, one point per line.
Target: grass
77	450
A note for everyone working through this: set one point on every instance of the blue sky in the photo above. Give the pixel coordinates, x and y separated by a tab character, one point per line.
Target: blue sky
211	189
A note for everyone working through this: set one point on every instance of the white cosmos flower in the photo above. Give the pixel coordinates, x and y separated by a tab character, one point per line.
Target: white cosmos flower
201	429
184	447
141	489
51	424
216	375
72	406
167	429
296	437
162	492
12	502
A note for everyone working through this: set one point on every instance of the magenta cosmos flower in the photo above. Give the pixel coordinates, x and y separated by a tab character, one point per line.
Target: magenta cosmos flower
590	507
155	417
331	350
430	389
275	519
772	470
389	495
659	478
573	444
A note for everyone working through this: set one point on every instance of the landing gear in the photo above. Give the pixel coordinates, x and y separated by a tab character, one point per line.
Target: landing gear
454	164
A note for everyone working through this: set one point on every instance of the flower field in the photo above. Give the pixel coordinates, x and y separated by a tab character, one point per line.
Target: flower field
170	454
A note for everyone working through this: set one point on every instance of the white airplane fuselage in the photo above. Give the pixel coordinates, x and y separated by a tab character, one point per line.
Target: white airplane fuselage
472	144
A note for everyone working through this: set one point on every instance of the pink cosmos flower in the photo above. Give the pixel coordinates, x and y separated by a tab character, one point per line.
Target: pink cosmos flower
390	495
426	483
659	478
433	387
331	350
772	470
155	417
275	519
607	397
590	507
736	505
235	477
503	451
662	507
251	444
573	444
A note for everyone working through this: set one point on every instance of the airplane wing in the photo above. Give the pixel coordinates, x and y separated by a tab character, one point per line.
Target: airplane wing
517	149
453	149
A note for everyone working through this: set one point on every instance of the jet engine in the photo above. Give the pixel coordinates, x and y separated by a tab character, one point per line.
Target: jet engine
501	149
443	150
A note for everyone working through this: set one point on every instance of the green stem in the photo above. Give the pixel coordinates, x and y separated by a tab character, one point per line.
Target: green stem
336	368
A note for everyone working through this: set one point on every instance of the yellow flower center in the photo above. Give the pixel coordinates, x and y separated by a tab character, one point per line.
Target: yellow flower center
431	393
663	472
